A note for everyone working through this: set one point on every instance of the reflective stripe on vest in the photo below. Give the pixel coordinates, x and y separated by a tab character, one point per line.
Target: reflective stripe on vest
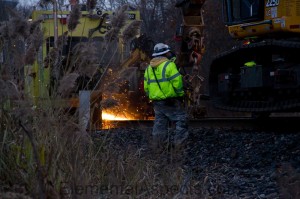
250	64
164	79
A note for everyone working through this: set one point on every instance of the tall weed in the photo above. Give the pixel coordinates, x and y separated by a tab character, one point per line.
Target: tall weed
44	152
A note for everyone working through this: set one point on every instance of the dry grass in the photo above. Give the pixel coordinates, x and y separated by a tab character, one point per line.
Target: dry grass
85	59
8	90
52	59
68	84
118	21
17	26
131	31
62	40
74	17
34	42
91	4
68	159
44	152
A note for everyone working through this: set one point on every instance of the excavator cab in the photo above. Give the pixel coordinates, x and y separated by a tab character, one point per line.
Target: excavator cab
243	11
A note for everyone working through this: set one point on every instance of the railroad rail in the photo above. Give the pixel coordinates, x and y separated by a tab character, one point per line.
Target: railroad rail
288	124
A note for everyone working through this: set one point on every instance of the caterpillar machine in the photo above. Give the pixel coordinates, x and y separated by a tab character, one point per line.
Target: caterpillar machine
262	74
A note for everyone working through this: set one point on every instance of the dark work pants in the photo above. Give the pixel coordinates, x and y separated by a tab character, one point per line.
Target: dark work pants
165	111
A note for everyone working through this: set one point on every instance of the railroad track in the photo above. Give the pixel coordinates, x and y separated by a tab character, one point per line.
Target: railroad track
289	124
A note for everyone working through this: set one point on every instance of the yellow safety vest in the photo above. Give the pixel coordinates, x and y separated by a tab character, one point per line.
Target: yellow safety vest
250	64
169	79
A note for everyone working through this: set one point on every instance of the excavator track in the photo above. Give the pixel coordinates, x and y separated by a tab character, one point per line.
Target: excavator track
270	98
264	43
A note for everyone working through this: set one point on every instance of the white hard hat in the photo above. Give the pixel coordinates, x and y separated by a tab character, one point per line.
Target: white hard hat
160	49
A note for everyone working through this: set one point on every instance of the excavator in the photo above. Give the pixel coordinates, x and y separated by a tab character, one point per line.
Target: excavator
260	75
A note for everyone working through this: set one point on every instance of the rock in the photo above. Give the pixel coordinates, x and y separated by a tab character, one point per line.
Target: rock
233	164
262	196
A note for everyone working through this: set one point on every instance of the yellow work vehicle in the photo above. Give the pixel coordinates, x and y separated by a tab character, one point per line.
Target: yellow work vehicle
269	31
57	55
90	27
262	74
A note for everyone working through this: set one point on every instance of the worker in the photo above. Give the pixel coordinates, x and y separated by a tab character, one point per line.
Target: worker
163	85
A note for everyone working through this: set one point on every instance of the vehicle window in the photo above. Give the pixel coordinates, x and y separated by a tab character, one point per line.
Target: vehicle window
249	8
